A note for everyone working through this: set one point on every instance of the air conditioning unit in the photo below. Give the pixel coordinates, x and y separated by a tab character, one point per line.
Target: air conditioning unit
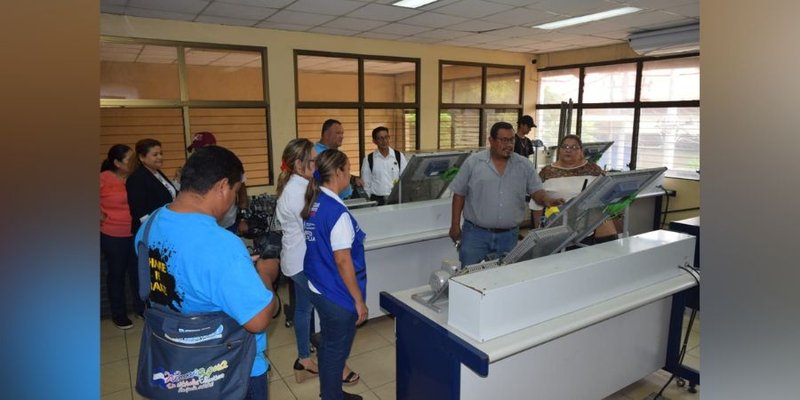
680	39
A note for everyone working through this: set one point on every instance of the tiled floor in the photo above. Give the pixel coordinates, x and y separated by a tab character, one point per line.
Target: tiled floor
373	356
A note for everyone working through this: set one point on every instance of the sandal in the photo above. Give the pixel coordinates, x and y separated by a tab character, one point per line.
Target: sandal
352	379
302	373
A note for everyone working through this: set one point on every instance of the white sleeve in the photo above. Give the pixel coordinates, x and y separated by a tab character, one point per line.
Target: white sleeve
366	175
342	234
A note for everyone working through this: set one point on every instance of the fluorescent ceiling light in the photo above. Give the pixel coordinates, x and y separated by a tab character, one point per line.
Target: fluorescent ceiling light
588	18
413	3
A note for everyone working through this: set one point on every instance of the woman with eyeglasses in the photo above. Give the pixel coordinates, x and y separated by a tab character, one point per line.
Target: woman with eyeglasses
298	164
568	176
297	167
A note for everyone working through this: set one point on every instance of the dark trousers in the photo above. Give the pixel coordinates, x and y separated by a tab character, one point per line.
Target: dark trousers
337	329
257	389
121	261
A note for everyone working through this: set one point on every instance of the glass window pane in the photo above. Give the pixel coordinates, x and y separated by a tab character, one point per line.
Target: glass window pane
401	124
327	78
409	93
498	115
138	71
129	125
241	130
461	84
558	86
503	85
547	123
309	125
669	137
215	74
676	79
458	128
384	81
610	83
601	125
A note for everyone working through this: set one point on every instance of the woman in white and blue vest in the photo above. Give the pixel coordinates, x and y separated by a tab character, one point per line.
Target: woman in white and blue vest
335	267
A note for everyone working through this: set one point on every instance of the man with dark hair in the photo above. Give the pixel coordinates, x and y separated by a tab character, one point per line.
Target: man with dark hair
331	138
199	267
490	190
232	220
522	144
381	168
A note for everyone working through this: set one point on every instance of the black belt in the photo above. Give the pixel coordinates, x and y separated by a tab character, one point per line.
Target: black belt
493	230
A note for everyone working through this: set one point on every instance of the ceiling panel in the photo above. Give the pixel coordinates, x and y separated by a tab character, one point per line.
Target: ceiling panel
329	7
473	8
434	20
382	12
358	24
219	9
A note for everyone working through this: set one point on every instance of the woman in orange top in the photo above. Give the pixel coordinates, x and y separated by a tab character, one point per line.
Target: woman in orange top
116	240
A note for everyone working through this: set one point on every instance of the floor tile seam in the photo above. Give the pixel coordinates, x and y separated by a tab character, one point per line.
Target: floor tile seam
118	391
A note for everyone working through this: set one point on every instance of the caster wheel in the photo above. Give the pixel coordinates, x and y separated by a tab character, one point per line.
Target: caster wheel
680	382
692	389
288	324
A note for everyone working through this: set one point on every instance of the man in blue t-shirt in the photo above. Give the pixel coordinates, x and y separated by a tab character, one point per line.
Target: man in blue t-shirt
201	266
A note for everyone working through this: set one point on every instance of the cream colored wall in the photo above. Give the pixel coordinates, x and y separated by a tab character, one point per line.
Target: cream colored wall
280	49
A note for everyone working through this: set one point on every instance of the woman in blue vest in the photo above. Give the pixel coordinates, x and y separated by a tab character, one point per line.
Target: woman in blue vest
335	267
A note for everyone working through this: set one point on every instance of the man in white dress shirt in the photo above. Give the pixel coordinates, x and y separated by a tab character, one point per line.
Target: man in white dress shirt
381	168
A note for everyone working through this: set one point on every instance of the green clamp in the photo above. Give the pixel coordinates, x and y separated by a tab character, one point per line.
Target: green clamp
449	174
616	209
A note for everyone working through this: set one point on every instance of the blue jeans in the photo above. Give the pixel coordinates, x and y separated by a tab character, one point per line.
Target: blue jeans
303	311
121	260
477	243
257	389
337	330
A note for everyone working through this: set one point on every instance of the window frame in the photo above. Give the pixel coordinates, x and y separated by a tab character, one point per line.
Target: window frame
361	104
637	104
482	106
184	103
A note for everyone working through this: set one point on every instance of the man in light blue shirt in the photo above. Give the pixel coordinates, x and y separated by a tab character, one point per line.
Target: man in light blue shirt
331	138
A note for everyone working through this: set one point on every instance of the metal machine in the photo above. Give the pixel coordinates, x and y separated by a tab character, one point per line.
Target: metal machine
607	196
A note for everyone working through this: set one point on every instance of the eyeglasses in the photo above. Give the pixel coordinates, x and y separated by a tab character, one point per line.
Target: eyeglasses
505	140
568	147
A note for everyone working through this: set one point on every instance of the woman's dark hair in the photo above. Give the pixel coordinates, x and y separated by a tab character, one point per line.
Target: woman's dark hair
296	149
117	152
207	166
142	148
573	137
328	163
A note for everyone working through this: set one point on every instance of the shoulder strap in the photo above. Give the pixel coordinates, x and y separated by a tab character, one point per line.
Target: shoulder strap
396	156
144	258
